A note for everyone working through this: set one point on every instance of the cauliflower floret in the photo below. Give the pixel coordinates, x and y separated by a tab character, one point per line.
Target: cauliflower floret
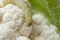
53	27
50	37
11	12
38	18
26	30
39	28
7	31
22	38
13	18
39	24
42	30
22	4
53	37
39	38
47	33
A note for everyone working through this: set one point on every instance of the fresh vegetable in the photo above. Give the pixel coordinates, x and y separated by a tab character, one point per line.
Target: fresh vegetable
19	22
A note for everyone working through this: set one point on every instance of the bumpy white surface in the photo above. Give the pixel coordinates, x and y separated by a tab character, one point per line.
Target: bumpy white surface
12	22
13	27
26	30
22	38
6	31
38	18
11	12
43	31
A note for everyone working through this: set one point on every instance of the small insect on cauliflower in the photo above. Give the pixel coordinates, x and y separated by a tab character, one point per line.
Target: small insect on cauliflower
22	38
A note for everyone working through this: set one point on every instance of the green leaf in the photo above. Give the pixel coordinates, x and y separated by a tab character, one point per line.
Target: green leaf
51	8
54	6
40	5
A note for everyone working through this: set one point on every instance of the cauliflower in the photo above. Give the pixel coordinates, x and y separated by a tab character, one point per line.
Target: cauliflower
43	31
22	38
12	12
13	19
26	30
16	23
23	5
39	38
39	28
7	31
